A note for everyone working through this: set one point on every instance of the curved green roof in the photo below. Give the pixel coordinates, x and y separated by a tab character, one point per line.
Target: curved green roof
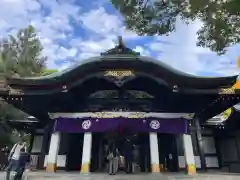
59	73
100	58
121	56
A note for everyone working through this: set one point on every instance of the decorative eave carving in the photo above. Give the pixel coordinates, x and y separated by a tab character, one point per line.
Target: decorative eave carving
139	94
119	73
15	91
226	91
3	83
105	94
4	86
134	94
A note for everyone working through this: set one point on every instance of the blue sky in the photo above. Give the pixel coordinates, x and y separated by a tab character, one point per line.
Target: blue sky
71	31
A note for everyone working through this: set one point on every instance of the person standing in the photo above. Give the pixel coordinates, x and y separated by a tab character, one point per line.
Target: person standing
135	158
128	154
4	157
112	159
116	160
13	158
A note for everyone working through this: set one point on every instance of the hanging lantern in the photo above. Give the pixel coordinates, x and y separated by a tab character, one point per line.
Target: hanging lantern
226	114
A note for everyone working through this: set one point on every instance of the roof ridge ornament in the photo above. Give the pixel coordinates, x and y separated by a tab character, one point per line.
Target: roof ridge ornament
120	42
120	49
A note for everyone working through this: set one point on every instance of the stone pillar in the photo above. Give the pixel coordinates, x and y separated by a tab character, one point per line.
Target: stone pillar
154	153
86	154
53	152
189	155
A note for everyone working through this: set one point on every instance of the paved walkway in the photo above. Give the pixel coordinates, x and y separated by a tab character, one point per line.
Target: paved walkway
172	176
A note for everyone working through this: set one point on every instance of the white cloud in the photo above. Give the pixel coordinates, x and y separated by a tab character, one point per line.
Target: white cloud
98	21
143	51
226	64
59	26
52	25
106	25
90	48
180	51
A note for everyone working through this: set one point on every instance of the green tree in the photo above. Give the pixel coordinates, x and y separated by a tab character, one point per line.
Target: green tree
20	56
221	27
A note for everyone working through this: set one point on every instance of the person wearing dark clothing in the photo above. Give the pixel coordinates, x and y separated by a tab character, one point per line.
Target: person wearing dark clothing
3	158
4	152
128	154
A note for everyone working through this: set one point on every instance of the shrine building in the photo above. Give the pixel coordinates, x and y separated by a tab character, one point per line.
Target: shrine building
122	96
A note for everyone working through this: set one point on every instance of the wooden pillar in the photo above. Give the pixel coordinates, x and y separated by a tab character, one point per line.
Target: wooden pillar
175	163
100	153
32	134
218	150
200	144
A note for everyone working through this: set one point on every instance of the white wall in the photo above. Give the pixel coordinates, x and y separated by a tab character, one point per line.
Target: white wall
61	161
208	147
210	161
181	161
37	144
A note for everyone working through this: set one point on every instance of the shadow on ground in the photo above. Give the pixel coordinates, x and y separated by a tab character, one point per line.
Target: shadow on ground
77	176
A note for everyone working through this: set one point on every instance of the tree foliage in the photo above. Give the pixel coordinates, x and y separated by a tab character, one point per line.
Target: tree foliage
46	72
221	27
20	56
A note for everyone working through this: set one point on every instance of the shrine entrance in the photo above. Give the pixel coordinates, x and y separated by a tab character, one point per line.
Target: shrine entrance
74	151
139	150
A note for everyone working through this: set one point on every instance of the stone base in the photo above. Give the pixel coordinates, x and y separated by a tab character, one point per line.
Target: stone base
85	168
191	169
51	167
155	168
161	167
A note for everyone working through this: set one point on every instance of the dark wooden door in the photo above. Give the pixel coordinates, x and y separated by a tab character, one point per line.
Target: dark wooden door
74	154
